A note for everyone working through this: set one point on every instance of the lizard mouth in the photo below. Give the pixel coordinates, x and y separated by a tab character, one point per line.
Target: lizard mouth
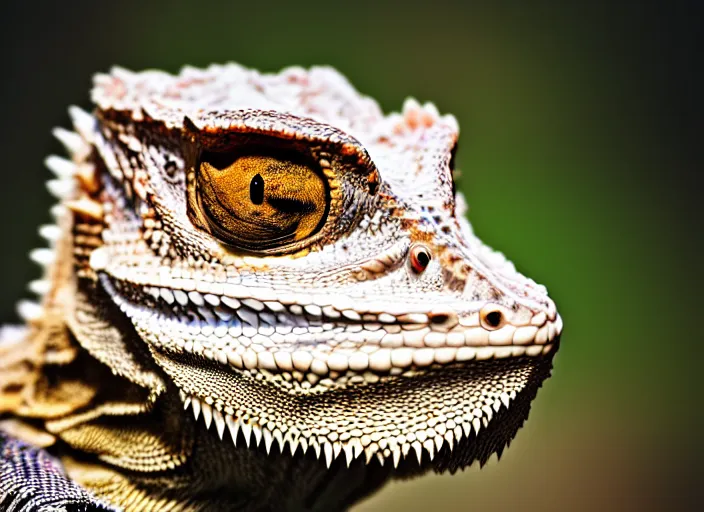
329	346
344	384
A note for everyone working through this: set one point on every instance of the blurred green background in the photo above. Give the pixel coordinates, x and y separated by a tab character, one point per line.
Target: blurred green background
577	161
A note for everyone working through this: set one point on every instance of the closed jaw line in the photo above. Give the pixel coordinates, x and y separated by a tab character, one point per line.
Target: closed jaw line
323	337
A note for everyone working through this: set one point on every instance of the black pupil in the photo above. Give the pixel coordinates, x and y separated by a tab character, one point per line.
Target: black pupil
423	258
493	318
256	189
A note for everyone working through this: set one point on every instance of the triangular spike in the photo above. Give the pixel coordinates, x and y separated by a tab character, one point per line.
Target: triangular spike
380	458
430	448
61	189
219	422
268	439
369	453
450	438
196	408
74	143
451	121
233	427
29	310
304	445
83	122
50	232
405	448
316	448
293	446
397	456
13	334
431	110
467	428
327	448
357	447
438	442
458	433
497	405
186	403
349	453
39	286
410	104
246	432
477	425
279	438
489	413
418	448
58	211
336	449
207	414
61	167
43	256
257	431
505	399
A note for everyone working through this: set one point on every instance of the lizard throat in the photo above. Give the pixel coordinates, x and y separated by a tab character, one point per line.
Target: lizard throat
396	419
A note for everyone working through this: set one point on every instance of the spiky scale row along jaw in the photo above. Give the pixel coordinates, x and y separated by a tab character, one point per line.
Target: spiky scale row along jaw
387	331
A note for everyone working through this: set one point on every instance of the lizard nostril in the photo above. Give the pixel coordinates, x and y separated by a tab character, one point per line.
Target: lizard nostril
491	319
439	318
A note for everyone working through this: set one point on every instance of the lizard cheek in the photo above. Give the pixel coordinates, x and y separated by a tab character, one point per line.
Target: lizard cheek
259	202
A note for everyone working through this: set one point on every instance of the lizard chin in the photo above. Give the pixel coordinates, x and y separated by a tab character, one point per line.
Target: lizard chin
441	415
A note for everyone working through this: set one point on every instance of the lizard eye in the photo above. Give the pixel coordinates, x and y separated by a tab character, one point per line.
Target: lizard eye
258	202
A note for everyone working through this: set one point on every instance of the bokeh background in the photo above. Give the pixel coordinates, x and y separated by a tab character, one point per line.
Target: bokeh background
579	159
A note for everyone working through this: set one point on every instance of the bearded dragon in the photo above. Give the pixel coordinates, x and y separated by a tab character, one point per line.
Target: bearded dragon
260	293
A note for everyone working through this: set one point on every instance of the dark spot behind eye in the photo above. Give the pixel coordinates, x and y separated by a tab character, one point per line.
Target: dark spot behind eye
256	189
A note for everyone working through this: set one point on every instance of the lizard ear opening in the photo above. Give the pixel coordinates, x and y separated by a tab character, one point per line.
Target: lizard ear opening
260	202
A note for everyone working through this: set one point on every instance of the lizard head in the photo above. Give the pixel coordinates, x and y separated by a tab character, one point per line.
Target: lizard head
301	267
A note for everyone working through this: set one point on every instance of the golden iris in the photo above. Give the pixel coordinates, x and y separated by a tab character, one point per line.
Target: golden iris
260	201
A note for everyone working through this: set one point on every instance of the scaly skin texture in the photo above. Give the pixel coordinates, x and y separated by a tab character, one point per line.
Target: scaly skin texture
168	367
